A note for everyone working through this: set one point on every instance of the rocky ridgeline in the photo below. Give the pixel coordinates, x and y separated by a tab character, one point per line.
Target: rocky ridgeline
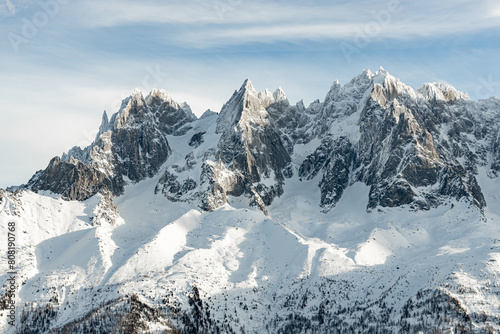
412	147
133	145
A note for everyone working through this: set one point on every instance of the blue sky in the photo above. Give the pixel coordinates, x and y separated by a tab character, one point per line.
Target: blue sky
65	61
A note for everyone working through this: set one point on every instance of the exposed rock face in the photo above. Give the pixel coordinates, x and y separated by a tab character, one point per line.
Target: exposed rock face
197	139
402	148
334	159
406	145
215	180
252	146
175	190
132	144
106	210
250	157
495	154
418	148
73	180
10	202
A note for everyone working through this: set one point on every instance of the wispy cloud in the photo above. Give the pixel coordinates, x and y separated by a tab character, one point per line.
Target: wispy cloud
220	12
205	24
213	23
495	13
7	8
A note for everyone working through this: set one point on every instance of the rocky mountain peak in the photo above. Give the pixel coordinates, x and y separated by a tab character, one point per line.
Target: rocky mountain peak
386	88
137	95
266	98
133	144
245	105
208	113
251	147
247	85
358	85
442	92
410	148
104	124
279	95
187	108
335	86
380	75
160	94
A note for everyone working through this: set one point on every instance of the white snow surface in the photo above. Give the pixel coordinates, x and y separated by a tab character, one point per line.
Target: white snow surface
238	252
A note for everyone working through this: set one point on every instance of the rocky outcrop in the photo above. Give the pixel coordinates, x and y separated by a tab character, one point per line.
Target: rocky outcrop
416	148
106	211
215	182
197	139
133	145
406	145
73	180
334	159
495	154
10	202
252	146
399	156
251	156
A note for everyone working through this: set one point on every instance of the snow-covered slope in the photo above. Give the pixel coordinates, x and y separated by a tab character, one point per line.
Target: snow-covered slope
375	210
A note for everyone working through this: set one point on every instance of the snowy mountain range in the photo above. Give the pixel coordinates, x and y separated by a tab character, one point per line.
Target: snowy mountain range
376	210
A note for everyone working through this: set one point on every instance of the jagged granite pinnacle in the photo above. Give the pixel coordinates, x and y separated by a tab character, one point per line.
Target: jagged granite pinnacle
411	147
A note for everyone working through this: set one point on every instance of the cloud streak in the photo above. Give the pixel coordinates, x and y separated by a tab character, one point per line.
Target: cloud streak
202	24
218	12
